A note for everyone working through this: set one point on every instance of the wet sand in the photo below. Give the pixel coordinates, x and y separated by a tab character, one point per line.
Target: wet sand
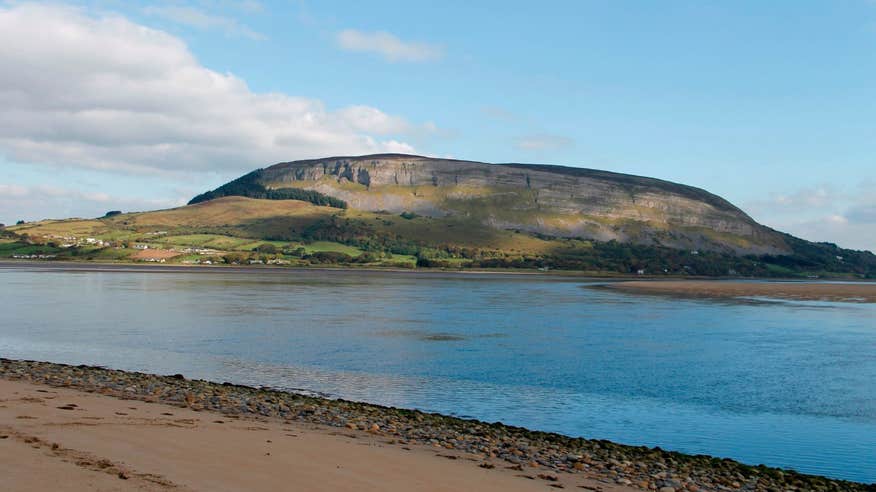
69	440
71	427
811	291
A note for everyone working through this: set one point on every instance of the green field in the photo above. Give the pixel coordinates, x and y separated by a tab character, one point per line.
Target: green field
243	230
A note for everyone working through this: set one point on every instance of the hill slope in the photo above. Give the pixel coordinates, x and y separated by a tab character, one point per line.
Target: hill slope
409	211
547	200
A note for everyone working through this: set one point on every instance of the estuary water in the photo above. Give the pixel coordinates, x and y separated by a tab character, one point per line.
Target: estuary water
784	383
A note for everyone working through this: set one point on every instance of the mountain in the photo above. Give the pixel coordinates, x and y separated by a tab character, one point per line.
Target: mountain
407	211
555	201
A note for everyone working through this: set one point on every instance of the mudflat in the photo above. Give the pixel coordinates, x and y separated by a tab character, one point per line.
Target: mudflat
816	291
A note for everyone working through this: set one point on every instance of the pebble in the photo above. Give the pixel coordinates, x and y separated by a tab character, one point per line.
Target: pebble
646	468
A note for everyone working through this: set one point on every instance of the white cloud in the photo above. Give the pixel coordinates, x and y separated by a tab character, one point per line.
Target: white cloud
12	191
39	202
814	198
863	214
498	113
542	142
834	228
845	216
105	93
388	46
193	17
249	6
371	120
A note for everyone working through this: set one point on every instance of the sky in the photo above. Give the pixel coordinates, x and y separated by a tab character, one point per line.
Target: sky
124	105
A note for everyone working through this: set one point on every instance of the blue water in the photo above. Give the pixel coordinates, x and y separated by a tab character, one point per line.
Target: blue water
790	384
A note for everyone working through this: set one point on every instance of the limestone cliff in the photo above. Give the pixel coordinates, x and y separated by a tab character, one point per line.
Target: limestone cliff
549	200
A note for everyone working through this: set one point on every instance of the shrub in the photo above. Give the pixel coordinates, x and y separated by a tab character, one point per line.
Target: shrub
329	257
267	248
248	185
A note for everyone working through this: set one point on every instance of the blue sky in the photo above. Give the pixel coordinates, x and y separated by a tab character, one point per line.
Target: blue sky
769	104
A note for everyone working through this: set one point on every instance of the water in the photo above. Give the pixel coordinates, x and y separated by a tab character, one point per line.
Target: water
790	384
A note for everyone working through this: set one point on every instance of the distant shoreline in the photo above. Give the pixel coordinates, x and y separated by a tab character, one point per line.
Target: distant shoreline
494	445
158	267
612	277
860	292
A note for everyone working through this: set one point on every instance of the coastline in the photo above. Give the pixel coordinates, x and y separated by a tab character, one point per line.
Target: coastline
612	277
64	439
493	447
153	267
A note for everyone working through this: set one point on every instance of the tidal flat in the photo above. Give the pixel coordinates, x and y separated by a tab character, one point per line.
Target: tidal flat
795	290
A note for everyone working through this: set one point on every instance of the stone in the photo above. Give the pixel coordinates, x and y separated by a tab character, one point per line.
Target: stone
613	464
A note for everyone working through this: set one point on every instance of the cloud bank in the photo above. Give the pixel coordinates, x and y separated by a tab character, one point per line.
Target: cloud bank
105	93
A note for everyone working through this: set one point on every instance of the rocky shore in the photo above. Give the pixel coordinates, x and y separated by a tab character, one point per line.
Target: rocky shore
522	449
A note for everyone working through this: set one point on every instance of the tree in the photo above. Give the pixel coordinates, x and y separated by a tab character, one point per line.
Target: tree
266	248
299	252
233	258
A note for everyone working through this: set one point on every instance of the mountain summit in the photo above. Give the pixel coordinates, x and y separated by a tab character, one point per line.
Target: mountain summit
544	200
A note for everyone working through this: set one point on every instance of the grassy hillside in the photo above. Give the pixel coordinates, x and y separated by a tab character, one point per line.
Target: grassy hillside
241	230
555	201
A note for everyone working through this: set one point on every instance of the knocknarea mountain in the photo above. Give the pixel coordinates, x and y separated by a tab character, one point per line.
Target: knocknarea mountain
413	211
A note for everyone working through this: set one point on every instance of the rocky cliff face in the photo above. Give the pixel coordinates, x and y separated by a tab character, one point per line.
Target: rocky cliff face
550	200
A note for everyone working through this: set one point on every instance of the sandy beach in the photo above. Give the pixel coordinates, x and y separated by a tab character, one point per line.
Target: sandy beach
68	427
812	291
64	439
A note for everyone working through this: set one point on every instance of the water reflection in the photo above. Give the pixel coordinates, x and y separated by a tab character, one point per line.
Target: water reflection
790	383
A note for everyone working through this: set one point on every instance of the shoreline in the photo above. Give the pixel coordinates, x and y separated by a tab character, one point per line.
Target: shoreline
63	439
153	267
496	445
854	292
611	277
